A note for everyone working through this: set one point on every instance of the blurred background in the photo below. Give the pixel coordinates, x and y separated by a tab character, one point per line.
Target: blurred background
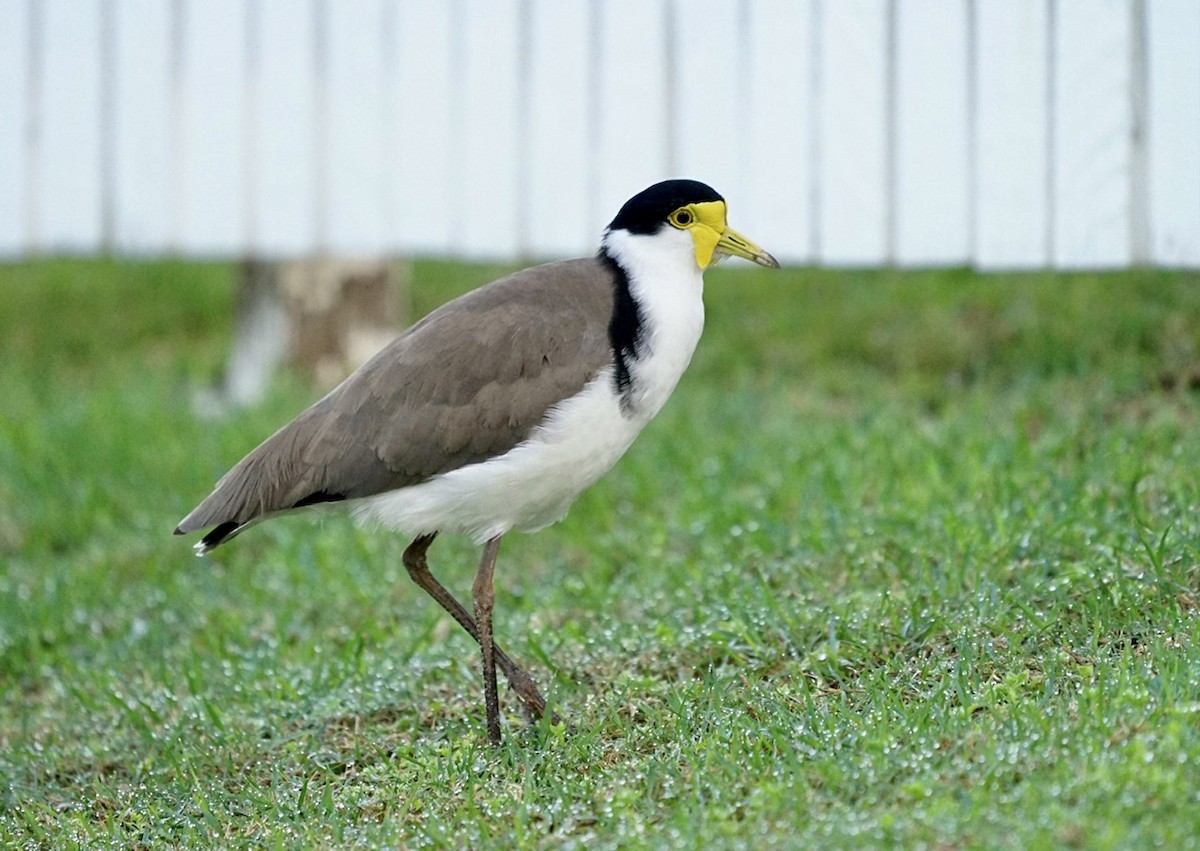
911	559
1022	133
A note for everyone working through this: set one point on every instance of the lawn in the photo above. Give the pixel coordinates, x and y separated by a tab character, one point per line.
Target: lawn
909	559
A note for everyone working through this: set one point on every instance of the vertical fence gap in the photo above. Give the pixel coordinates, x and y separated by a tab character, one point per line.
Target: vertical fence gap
175	127
890	129
524	133
1051	127
671	84
815	182
251	124
457	122
389	131
742	100
1139	195
320	126
972	113
33	126
108	121
594	108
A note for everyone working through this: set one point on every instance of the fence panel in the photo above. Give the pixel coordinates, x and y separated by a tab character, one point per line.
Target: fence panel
140	205
487	172
283	115
1092	119
556	216
212	156
1023	133
707	79
426	133
931	213
66	167
852	113
633	137
1012	135
1173	131
16	48
779	202
350	128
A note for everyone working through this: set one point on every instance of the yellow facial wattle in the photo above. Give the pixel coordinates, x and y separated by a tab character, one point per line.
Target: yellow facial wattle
711	235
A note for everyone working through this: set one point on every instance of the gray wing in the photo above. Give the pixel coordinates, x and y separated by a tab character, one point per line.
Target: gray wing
468	382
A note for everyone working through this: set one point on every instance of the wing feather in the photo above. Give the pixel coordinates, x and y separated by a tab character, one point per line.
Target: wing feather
469	381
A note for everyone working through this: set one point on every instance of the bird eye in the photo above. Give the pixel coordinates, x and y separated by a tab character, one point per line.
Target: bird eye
682	218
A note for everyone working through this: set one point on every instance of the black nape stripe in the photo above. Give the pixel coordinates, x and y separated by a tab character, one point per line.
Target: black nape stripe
318	497
624	328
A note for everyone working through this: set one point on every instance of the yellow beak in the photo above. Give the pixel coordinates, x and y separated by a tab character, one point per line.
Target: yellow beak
713	236
732	242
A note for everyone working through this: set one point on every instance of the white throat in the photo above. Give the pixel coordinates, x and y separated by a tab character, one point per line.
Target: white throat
668	286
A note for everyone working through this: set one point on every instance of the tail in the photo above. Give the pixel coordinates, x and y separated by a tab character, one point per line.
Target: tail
217	536
230	529
276	477
235	503
264	483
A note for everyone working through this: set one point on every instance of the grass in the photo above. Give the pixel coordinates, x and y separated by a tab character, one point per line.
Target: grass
910	559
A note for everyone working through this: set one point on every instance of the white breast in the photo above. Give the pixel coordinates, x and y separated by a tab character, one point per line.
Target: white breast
530	486
533	484
669	289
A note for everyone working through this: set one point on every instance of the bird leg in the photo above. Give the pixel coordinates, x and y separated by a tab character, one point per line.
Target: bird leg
484	595
532	702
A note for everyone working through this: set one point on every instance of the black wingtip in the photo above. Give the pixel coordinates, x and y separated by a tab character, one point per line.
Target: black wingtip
218	536
179	531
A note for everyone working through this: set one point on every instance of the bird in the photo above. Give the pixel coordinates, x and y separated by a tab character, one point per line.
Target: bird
497	409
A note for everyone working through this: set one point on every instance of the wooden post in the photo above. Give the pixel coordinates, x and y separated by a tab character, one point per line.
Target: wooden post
324	316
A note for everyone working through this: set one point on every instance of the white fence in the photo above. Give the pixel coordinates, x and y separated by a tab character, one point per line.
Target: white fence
999	133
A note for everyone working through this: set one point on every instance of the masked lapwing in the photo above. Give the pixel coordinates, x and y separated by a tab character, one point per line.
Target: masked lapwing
498	409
